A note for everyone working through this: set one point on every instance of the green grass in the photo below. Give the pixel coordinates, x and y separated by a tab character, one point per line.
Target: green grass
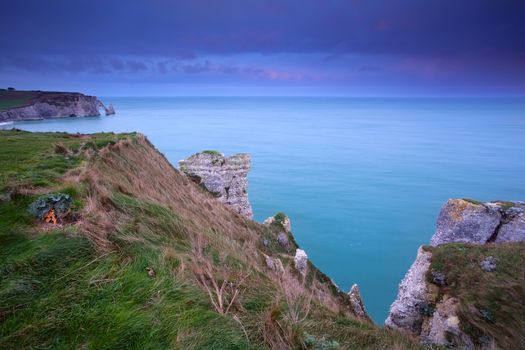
59	291
30	158
212	152
14	99
499	294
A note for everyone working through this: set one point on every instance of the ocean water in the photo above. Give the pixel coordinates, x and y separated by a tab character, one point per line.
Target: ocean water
362	179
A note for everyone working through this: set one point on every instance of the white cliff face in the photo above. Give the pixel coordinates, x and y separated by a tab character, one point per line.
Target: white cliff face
356	302
225	177
405	312
54	106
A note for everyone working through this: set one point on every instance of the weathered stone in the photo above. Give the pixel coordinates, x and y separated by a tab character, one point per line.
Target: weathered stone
282	239
281	219
225	177
443	327
404	313
438	278
512	231
488	264
301	262
356	303
269	262
465	221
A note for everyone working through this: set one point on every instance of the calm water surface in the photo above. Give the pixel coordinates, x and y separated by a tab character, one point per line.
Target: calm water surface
362	179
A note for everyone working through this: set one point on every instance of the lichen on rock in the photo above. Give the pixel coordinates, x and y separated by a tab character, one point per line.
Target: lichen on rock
465	221
225	177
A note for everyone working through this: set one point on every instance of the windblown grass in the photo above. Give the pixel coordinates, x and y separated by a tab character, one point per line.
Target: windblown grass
492	307
155	263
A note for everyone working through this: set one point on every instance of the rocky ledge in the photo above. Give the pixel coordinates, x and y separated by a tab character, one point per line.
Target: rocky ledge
419	308
36	105
224	177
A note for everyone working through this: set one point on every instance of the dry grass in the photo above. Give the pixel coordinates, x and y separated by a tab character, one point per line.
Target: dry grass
134	197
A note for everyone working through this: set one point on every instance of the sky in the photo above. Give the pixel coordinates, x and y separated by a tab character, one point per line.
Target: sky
265	47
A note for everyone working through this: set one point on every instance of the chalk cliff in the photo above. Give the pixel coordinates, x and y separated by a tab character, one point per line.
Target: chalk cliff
36	105
425	304
225	177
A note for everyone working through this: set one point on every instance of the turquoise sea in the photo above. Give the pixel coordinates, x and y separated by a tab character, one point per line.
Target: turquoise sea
362	179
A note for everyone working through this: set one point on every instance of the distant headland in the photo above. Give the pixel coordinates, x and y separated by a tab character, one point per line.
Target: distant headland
17	105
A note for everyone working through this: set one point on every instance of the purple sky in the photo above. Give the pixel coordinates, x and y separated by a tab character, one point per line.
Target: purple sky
265	47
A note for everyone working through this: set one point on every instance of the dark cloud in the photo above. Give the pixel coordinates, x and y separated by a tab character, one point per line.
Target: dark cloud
481	42
184	29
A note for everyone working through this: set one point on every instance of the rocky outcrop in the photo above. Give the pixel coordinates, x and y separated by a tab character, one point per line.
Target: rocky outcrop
443	327
301	262
46	105
474	222
224	177
279	219
406	311
356	303
417	309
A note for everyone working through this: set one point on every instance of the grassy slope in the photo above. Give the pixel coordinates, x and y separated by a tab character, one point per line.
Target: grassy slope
500	293
87	285
14	99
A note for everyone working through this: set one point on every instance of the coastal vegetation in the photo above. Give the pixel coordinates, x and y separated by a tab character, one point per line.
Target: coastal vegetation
491	307
147	260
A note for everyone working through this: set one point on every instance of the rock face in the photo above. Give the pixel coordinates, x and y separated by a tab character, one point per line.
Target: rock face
478	223
405	313
46	105
224	177
357	303
462	221
301	262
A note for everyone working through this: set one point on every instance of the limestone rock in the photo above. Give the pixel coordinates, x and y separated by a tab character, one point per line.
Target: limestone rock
405	312
443	327
356	303
488	264
46	105
512	231
465	221
281	219
282	239
301	262
225	177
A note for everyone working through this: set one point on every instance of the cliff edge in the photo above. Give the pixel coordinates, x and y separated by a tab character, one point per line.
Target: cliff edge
35	105
465	290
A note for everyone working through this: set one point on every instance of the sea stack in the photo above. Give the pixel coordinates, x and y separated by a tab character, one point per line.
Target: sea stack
225	177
